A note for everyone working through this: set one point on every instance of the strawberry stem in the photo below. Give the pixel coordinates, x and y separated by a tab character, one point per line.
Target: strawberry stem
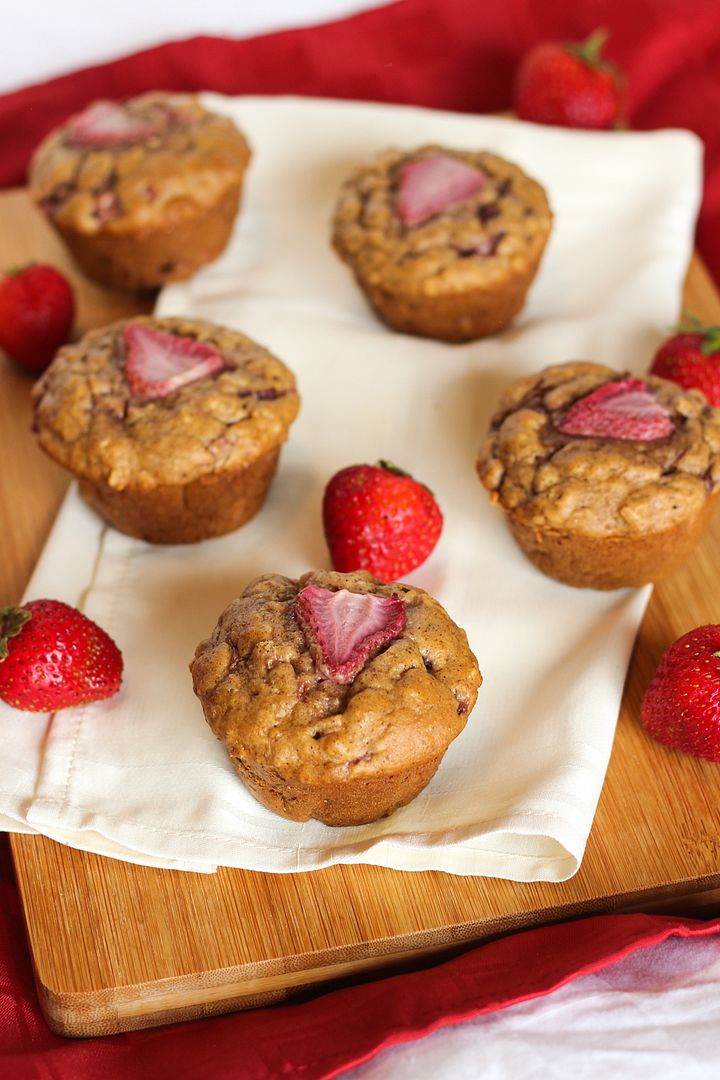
711	344
710	334
12	620
391	467
589	51
13	271
397	471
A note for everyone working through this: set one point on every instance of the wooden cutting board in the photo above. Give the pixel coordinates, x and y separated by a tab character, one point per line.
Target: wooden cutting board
117	946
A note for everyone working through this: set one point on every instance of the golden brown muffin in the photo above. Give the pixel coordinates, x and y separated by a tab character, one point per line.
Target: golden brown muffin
607	480
444	243
173	427
142	192
335	696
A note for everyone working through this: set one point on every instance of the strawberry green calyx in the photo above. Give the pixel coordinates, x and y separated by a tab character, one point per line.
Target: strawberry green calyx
710	334
389	466
12	620
13	271
397	471
590	50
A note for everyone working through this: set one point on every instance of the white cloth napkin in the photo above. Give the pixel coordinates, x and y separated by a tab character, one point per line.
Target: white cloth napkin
141	777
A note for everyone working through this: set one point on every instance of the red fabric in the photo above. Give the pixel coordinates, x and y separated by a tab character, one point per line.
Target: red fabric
449	54
323	1037
445	53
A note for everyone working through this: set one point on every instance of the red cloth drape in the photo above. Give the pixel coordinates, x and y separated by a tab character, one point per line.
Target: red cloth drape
316	1039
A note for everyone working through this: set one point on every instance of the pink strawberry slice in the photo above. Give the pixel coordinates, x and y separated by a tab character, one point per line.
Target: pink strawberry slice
430	184
344	628
107	124
157	363
625	409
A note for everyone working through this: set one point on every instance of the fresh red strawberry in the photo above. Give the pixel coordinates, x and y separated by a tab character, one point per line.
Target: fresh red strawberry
570	85
430	184
691	358
52	656
377	518
681	706
105	123
344	629
156	363
37	310
625	409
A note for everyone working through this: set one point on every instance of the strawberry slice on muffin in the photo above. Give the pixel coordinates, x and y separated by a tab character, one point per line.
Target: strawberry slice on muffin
105	123
156	362
344	628
430	184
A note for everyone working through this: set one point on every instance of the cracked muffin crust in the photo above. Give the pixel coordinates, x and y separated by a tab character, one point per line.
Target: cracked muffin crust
463	271
142	192
595	510
308	746
193	463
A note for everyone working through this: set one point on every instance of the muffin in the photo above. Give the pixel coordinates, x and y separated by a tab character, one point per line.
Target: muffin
173	427
335	696
444	243
143	192
607	480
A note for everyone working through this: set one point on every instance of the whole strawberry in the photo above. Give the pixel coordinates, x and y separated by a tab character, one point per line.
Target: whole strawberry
377	518
52	656
681	707
691	358
570	85
37	310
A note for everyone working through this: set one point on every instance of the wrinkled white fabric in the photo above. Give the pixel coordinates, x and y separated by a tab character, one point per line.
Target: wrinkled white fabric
141	777
656	1013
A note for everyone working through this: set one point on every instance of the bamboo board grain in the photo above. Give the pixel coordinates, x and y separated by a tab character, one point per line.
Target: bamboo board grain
117	946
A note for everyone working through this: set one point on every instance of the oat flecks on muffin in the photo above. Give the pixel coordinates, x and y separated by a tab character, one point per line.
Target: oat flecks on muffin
444	243
143	191
309	745
178	449
90	421
637	467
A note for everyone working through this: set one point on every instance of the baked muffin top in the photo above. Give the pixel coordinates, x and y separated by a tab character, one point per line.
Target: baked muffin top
266	696
540	468
148	161
95	415
471	240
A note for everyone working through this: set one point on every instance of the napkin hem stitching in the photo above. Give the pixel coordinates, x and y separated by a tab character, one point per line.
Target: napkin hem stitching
51	803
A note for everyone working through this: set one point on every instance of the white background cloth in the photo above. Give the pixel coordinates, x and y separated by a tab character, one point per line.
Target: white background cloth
654	1015
44	38
141	776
